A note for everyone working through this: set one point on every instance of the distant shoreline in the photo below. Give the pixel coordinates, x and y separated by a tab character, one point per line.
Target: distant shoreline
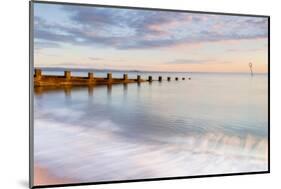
134	71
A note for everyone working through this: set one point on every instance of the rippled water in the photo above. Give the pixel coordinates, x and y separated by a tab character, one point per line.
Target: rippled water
211	124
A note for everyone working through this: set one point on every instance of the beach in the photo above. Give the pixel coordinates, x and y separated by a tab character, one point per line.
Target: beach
42	176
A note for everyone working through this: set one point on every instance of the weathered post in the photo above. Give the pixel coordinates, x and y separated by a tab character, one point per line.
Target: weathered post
67	75
125	77
138	78
91	76
150	78
38	73
183	78
160	78
109	77
168	78
177	78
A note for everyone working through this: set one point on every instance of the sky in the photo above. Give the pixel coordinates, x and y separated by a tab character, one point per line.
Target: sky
72	36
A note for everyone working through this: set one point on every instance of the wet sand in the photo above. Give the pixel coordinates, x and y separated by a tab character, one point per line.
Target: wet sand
42	176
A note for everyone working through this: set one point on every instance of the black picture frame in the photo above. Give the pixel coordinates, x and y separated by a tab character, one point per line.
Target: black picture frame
31	120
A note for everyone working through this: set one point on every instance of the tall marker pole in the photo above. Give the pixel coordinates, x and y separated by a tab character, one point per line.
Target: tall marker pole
251	66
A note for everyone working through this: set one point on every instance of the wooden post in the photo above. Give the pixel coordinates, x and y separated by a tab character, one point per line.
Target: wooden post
109	77
38	73
168	78
183	78
67	75
125	77
160	78
150	78
177	78
91	76
189	78
138	78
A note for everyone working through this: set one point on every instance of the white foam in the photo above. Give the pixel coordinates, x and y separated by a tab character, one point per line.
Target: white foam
100	153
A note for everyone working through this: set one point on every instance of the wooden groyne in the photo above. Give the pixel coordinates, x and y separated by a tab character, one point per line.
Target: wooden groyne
67	79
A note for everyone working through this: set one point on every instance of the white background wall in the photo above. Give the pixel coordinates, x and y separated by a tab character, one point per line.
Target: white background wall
14	104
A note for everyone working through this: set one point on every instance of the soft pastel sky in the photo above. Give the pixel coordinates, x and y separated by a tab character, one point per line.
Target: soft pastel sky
109	38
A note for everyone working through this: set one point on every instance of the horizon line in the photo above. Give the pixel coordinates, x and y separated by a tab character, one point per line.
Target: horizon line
137	70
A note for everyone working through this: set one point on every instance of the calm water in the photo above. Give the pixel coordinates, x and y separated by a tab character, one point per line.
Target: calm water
212	124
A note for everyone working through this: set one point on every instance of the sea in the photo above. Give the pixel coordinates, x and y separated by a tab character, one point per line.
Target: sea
212	123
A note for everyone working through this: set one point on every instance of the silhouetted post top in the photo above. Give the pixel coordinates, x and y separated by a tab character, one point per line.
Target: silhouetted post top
125	76
138	78
38	73
109	76
67	74
160	78
149	78
183	78
189	78
177	78
168	78
90	75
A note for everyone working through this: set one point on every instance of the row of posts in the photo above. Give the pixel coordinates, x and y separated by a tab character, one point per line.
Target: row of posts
67	75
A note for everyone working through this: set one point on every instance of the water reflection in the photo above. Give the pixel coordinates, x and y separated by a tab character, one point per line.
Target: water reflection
67	91
125	91
125	87
90	90
109	93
